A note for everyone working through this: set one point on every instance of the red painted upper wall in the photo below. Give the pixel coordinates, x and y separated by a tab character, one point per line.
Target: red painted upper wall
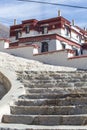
36	25
52	23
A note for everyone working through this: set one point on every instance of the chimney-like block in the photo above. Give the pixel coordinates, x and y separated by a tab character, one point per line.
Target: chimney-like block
73	22
15	21
59	13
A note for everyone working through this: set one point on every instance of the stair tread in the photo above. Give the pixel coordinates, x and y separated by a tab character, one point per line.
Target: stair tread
53	95
41	127
46	119
77	115
47	106
49	110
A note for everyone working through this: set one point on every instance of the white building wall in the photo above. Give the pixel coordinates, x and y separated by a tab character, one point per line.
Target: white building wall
68	46
84	52
3	45
58	31
59	58
70	55
6	44
52	45
31	33
24	52
63	32
58	45
74	37
13	38
56	58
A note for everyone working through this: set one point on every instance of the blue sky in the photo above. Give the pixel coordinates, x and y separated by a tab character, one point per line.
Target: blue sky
11	9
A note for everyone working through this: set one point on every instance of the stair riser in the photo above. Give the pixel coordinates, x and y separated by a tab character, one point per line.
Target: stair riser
55	90
50	85
52	96
46	120
57	102
53	110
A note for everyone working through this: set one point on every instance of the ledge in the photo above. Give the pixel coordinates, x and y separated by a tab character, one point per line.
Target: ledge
15	89
76	57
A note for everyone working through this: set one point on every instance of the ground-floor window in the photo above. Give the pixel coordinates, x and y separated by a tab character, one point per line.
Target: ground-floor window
81	51
44	47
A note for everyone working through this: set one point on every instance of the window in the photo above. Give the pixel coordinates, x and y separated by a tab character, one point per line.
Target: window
27	29
81	50
63	46
80	39
44	30
18	34
67	31
44	47
76	51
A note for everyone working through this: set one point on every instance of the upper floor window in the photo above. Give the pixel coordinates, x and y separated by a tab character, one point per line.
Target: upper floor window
63	46
44	30
18	34
67	31
44	47
27	29
80	39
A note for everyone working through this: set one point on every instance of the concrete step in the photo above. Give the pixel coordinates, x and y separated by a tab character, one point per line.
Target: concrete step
56	79
52	95
54	74
64	84
48	110
49	85
46	119
50	102
56	90
12	126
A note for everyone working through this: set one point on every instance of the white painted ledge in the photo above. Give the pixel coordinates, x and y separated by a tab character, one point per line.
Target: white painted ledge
15	90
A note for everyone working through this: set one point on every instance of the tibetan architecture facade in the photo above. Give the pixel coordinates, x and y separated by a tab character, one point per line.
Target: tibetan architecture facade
54	41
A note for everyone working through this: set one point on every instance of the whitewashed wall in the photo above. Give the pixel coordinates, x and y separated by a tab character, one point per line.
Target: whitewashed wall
56	58
31	33
84	52
59	58
58	31
52	45
25	52
58	45
13	39
3	45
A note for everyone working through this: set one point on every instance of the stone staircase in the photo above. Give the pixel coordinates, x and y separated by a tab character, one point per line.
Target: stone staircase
52	99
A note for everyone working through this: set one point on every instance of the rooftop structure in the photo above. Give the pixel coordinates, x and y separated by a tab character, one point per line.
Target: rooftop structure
46	39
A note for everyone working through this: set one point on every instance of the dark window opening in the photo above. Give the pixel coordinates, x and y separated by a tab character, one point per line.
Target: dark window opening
44	47
81	51
63	46
27	29
76	51
18	34
67	29
44	30
80	39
